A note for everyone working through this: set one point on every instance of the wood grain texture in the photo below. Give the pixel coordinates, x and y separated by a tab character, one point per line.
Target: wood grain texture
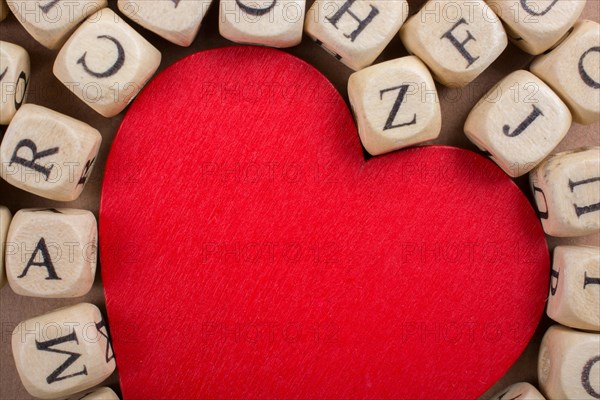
355	32
565	187
574	298
276	24
5	217
568	364
520	391
572	70
103	393
537	26
518	122
178	21
15	75
106	63
51	23
49	92
395	105
52	253
251	252
63	352
457	40
48	153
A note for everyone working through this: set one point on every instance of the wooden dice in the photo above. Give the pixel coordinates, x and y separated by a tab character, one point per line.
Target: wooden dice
566	187
52	252
575	288
518	122
5	217
271	23
355	31
572	69
51	22
457	40
48	153
101	394
106	63
395	104
519	391
536	26
178	21
569	364
63	352
14	79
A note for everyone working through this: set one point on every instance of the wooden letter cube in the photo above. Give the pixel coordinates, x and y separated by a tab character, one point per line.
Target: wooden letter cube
52	253
14	80
518	122
458	40
48	153
5	217
355	31
566	188
269	23
101	394
575	288
63	352
569	364
50	22
519	391
106	63
572	69
395	104
178	21
537	25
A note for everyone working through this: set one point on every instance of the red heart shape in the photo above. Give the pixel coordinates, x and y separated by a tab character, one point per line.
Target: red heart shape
249	251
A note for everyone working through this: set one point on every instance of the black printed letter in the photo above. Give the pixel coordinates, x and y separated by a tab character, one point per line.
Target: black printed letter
257	12
553	287
55	376
534	12
588	280
543	214
35	156
583	73
523	125
584	209
86	171
389	124
22	77
585	377
48	7
501	397
362	23
460	46
103	330
46	261
113	68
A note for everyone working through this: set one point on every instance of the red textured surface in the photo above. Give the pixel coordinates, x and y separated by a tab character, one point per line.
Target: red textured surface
249	250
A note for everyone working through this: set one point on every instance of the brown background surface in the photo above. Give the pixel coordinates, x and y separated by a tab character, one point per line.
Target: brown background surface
47	91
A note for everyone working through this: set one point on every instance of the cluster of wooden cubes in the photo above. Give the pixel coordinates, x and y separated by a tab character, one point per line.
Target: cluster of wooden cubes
519	122
569	358
52	253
